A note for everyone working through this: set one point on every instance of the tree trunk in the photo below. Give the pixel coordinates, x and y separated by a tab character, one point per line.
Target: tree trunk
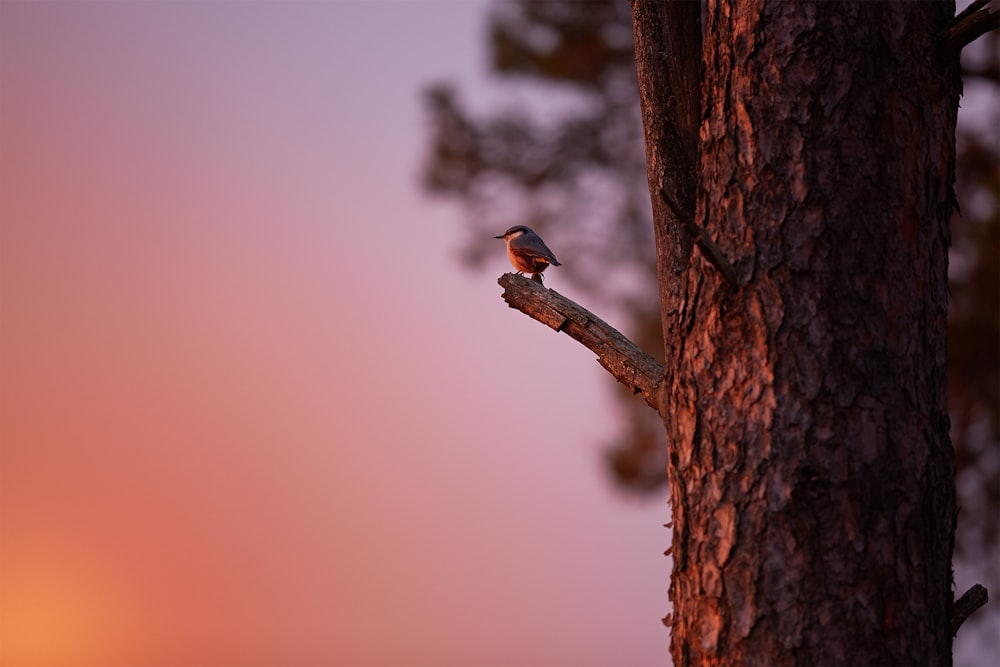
811	473
668	62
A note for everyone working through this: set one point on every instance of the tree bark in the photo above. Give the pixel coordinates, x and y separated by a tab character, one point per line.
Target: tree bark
811	473
668	64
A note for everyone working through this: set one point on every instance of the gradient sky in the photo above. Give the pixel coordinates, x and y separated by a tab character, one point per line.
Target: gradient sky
254	412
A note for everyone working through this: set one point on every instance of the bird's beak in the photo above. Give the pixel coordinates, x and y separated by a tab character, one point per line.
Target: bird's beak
498	237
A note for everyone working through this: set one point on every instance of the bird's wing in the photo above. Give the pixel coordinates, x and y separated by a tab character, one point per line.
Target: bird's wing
533	248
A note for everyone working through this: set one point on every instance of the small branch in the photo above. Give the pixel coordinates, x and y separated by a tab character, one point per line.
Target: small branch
713	253
621	357
963	607
976	20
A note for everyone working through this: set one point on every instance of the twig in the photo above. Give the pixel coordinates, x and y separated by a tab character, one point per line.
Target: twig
621	357
971	600
976	20
713	253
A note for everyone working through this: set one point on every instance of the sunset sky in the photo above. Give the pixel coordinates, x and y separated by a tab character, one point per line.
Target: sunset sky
253	410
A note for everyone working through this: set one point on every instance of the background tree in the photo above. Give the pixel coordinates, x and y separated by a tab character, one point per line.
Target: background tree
575	172
514	168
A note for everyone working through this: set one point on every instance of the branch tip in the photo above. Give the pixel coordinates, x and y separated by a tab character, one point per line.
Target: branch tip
963	607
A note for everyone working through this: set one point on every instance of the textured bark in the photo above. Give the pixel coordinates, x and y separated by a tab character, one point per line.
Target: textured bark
811	473
668	65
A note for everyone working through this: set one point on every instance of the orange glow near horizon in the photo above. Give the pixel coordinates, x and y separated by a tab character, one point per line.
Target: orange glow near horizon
62	607
252	411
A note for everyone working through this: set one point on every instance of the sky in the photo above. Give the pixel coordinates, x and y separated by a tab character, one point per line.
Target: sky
253	410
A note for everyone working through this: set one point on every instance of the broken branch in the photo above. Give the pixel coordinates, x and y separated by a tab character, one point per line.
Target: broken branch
709	248
618	355
971	600
976	20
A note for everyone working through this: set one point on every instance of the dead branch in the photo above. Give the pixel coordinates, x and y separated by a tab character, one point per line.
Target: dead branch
976	20
709	248
971	600
618	355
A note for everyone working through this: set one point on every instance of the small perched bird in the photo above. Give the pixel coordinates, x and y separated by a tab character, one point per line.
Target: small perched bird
527	252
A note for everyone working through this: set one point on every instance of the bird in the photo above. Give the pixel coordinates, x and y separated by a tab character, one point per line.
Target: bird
527	252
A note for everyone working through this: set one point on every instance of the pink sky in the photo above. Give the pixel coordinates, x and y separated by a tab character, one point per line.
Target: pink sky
253	411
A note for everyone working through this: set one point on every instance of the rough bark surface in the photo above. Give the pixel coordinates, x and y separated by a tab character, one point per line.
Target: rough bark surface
668	64
811	473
